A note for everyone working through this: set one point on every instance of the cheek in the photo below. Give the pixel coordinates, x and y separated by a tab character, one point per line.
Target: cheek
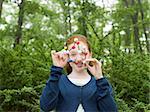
73	57
71	64
88	55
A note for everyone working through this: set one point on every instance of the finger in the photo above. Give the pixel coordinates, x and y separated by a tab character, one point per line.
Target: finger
88	66
99	63
53	52
91	61
65	57
58	55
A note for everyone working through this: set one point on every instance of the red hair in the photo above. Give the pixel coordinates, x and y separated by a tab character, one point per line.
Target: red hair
69	41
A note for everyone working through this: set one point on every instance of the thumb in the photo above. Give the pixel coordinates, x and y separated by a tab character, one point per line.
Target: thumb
88	66
53	52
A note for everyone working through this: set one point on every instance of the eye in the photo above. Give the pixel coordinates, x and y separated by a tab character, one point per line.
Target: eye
83	54
73	54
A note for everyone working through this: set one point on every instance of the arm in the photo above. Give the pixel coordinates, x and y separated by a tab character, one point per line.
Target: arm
105	100
49	97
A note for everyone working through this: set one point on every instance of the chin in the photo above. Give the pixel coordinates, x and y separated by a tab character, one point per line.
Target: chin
77	69
80	69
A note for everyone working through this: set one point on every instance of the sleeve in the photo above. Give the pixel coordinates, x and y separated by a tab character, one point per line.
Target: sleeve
49	97
105	99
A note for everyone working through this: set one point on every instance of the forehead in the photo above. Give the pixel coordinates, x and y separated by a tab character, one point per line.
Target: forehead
81	45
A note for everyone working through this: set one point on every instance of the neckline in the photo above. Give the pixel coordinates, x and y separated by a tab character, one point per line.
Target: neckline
78	85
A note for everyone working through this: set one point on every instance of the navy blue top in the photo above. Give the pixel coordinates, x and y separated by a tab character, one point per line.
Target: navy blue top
64	96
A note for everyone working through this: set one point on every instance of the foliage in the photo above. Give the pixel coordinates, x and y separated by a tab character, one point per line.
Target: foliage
130	77
19	99
23	73
24	68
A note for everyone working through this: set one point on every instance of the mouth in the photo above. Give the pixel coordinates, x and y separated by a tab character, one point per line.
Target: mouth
79	64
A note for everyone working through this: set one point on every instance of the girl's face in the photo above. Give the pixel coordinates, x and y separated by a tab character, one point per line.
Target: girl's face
78	53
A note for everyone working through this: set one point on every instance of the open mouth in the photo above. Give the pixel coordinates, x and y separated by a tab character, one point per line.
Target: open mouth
79	64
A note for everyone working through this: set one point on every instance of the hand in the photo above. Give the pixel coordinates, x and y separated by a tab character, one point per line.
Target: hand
59	58
94	66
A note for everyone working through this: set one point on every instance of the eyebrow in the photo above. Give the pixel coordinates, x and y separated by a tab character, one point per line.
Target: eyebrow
73	51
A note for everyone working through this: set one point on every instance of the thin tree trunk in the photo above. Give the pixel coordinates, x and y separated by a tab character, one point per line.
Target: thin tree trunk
20	22
65	20
1	4
66	33
144	28
135	27
103	5
114	35
69	17
84	14
136	31
94	31
119	39
127	38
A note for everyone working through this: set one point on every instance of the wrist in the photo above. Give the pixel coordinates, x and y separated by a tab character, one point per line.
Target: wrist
56	65
98	77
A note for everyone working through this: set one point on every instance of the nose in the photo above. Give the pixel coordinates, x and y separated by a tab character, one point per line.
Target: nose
79	58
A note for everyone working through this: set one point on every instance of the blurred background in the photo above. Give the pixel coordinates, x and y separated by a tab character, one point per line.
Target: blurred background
118	31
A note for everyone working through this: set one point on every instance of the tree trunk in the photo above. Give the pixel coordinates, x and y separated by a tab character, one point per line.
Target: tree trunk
143	23
65	20
136	31
1	4
127	38
69	17
120	41
135	27
114	35
20	22
84	14
94	31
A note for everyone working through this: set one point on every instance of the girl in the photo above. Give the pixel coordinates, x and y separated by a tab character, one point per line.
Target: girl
83	88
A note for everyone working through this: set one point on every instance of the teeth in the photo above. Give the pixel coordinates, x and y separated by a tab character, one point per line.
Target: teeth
79	64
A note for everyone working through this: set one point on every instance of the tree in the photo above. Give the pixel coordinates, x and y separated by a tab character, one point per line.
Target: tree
134	18
144	25
1	4
20	22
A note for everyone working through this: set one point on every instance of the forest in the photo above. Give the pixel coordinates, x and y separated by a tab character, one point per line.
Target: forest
118	31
